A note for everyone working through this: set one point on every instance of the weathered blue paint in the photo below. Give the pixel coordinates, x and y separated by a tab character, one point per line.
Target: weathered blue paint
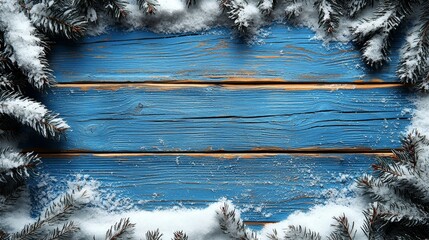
287	54
218	118
277	184
210	117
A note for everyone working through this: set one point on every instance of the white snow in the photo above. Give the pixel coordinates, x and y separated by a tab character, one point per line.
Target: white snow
30	113
20	36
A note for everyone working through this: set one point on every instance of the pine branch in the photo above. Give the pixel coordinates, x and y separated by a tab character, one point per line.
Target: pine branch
31	113
413	64
231	224
375	34
119	229
3	235
373	224
294	8
374	189
153	235
330	12
273	236
15	167
189	3
243	14
6	82
62	233
266	6
57	211
356	6
343	230
116	8
148	6
58	19
180	235
23	45
299	233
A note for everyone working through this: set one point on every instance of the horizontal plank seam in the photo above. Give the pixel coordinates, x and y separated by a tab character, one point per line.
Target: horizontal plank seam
229	86
232	82
381	152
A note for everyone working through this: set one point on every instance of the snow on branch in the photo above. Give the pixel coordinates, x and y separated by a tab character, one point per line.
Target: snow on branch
266	6
31	113
356	6
246	16
148	6
374	34
58	210
343	229
231	224
329	14
15	167
119	229
413	66
22	44
63	232
58	18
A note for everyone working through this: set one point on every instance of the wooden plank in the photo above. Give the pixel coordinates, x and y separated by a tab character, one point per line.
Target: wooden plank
149	118
287	55
266	187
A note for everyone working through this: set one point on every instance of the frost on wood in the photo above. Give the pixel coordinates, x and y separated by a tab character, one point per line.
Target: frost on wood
23	45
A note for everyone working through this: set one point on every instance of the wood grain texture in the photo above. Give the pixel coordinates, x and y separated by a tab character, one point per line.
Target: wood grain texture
266	188
217	118
286	55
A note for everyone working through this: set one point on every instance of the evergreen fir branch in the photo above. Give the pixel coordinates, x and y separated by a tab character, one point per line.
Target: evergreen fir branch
6	82
411	147
15	167
356	6
189	3
413	65
371	186
330	12
266	6
343	230
243	15
375	34
62	233
180	235
116	8
23	45
57	211
153	235
58	18
119	229
405	182
273	236
148	6
6	65
231	224
31	113
300	233
373	223
3	235
293	8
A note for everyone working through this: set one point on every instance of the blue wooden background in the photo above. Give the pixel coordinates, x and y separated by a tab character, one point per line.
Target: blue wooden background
186	119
